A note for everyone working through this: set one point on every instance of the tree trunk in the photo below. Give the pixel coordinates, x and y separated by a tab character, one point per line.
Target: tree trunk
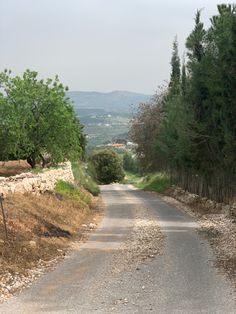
31	161
43	160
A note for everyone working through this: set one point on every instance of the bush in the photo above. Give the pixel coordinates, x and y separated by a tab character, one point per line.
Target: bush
106	166
130	163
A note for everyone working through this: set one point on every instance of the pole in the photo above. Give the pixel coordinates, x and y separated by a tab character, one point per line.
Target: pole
4	217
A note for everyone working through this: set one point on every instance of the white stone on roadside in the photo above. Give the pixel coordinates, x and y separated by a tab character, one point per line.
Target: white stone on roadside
92	226
32	243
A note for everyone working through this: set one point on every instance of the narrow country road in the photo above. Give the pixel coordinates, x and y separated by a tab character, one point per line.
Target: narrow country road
105	276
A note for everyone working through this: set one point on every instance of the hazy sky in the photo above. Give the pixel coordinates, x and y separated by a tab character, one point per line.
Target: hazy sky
100	45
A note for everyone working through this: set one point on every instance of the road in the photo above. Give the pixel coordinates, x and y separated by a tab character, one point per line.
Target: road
98	276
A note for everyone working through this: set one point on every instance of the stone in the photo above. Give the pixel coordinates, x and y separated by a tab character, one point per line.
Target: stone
32	243
92	226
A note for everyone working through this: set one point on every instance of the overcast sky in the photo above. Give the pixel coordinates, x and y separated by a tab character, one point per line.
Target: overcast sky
100	45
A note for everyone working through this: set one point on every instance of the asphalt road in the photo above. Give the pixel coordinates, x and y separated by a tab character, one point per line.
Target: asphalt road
180	280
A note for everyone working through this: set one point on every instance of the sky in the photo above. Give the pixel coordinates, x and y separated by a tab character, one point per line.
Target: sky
97	45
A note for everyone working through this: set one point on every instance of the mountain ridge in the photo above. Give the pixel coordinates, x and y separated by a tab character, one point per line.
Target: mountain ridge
114	101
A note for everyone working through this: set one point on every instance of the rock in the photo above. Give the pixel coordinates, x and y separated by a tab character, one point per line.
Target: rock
32	243
92	225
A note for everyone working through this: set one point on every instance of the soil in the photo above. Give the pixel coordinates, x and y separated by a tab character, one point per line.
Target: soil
12	168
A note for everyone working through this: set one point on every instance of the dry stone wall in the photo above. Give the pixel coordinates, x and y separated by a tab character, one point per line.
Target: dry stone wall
36	183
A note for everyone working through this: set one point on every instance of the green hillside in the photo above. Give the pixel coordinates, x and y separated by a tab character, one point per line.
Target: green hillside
106	115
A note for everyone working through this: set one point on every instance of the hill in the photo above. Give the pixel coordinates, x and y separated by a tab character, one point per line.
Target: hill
116	101
106	115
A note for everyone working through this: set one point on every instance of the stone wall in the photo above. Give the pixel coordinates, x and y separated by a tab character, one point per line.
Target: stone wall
36	183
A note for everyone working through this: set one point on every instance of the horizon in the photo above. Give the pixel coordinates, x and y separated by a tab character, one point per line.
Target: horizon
108	92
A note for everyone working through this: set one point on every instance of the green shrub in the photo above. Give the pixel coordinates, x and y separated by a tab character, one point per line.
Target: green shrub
106	166
130	163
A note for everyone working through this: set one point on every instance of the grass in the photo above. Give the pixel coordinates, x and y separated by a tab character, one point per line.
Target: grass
153	182
72	192
84	179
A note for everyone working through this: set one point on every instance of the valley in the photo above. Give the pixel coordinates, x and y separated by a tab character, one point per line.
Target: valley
106	116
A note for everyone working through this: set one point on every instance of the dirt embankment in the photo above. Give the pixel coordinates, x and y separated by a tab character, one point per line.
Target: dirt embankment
40	229
14	167
218	225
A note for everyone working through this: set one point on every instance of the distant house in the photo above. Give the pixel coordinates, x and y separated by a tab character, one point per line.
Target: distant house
118	146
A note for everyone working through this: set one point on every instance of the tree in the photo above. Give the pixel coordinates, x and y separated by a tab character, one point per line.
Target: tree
38	120
194	138
130	163
175	70
106	166
144	130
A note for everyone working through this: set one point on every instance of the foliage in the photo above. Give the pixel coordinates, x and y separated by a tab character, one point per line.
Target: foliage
193	138
130	163
106	166
37	121
83	178
144	129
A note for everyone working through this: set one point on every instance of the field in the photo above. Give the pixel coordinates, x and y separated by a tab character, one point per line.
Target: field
105	128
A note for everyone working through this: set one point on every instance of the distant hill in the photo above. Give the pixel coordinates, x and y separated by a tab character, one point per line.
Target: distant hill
116	101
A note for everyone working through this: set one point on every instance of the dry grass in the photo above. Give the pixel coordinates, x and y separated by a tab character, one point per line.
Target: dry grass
11	168
39	228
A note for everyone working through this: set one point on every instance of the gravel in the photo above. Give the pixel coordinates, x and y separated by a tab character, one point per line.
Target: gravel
144	242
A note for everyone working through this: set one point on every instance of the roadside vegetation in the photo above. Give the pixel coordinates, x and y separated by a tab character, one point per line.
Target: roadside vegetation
154	182
188	130
151	182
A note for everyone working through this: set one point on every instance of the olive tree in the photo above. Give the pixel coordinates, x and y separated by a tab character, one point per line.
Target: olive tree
37	120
